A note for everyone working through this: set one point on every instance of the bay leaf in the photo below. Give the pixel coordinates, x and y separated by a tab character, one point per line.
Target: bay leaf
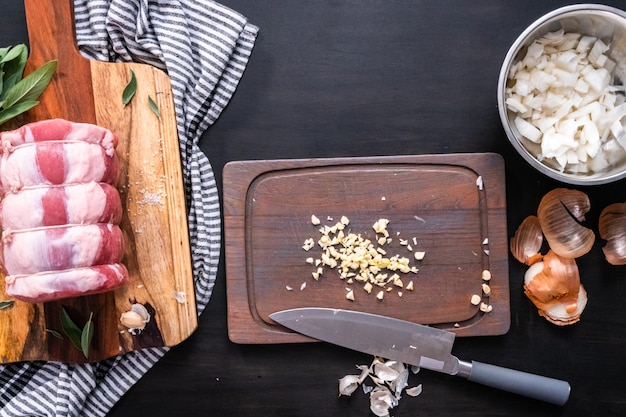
130	89
30	87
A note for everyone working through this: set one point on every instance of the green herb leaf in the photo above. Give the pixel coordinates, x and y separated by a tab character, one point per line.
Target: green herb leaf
12	66
6	304
154	107
30	87
55	333
11	112
70	328
130	89
86	336
18	51
4	51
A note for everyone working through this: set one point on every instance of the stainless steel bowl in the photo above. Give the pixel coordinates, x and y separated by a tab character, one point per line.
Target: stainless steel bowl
604	22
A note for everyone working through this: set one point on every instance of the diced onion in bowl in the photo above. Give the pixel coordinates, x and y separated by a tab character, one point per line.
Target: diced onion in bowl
565	99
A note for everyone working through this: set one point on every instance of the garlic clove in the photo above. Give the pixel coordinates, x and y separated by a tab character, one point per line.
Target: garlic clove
560	214
612	228
526	244
136	318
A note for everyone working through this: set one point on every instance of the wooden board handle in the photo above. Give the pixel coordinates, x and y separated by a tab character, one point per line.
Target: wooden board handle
51	34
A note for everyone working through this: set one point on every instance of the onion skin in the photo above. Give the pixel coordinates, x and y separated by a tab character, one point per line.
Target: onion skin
527	241
612	228
553	316
555	280
560	214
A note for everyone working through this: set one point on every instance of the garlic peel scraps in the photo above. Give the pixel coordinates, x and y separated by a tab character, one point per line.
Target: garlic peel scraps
612	228
390	380
561	213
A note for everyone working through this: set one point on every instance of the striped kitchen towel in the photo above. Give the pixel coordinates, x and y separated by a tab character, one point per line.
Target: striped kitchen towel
204	47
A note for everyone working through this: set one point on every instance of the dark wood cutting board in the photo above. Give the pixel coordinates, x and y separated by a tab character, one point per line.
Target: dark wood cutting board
452	207
151	185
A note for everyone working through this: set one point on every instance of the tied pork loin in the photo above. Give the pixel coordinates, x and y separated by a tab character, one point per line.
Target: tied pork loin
60	129
85	203
61	247
55	163
60	211
55	285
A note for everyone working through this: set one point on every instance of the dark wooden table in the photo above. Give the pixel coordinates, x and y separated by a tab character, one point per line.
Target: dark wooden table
361	78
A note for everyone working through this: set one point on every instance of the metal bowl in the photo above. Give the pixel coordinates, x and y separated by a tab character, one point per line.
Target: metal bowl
604	22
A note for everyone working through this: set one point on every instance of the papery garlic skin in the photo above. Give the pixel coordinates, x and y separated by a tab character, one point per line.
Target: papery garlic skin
391	380
348	384
414	391
385	372
381	401
560	214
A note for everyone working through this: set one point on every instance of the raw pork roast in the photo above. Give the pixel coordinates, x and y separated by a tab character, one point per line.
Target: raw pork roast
60	211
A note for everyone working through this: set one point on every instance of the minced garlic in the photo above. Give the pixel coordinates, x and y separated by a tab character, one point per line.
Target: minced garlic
359	259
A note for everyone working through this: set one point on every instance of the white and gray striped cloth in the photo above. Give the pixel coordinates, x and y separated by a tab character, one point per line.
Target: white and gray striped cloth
204	47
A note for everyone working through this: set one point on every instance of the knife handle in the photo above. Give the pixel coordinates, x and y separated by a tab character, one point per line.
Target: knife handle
554	391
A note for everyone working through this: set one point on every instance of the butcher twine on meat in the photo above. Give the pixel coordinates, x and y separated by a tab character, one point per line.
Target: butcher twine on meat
71	243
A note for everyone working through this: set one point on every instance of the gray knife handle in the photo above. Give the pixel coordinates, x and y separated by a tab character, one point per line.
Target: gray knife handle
554	391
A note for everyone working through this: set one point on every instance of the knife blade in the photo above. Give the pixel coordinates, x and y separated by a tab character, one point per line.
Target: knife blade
415	344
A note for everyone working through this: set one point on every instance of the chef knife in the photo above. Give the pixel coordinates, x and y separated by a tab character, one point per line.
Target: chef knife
415	344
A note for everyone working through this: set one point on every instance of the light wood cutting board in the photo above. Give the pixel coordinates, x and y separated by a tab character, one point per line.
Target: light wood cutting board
151	185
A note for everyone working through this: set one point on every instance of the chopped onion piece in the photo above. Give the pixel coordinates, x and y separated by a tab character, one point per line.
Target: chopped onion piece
528	130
